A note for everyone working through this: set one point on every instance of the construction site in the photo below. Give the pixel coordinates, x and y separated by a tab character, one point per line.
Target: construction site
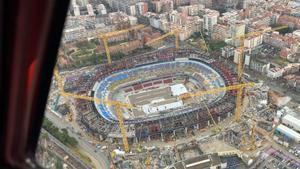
177	108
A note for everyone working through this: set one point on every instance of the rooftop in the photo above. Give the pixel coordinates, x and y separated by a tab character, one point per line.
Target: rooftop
203	162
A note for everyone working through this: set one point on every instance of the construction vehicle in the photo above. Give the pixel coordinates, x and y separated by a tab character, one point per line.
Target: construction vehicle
104	38
139	148
174	32
70	117
148	161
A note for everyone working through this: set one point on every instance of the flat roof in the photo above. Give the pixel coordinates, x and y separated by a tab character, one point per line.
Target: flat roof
168	101
203	162
288	132
292	119
148	96
178	89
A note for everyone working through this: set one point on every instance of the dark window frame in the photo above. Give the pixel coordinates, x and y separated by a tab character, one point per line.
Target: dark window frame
30	34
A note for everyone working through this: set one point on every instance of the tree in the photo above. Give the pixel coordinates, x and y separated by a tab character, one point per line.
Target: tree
216	45
118	55
58	163
62	135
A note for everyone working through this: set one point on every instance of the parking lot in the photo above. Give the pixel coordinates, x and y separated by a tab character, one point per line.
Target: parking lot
278	160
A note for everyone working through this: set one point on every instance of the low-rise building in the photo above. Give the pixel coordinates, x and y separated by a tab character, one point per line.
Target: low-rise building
274	72
208	161
281	41
101	9
228	51
229	16
291	21
125	47
295	58
293	81
253	41
259	65
285	53
220	32
291	68
288	132
72	34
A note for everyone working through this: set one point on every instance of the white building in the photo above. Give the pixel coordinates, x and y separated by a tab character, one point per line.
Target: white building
73	33
90	9
162	104
253	41
296	33
101	9
237	54
193	10
82	2
227	51
210	19
76	10
132	20
178	89
292	122
131	10
229	16
154	21
274	73
288	132
237	29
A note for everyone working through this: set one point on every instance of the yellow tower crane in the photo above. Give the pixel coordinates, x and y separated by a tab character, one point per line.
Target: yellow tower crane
148	161
104	38
117	105
217	127
240	69
203	44
174	32
122	127
249	145
215	90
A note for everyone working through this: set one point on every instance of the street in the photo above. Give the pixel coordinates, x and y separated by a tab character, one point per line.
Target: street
99	158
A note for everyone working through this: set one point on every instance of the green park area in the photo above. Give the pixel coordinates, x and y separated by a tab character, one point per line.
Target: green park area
63	136
280	61
213	45
60	134
216	45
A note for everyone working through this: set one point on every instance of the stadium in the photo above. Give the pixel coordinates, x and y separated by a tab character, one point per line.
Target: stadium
153	84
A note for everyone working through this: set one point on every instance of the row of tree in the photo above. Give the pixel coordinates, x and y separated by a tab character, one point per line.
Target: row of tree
60	134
